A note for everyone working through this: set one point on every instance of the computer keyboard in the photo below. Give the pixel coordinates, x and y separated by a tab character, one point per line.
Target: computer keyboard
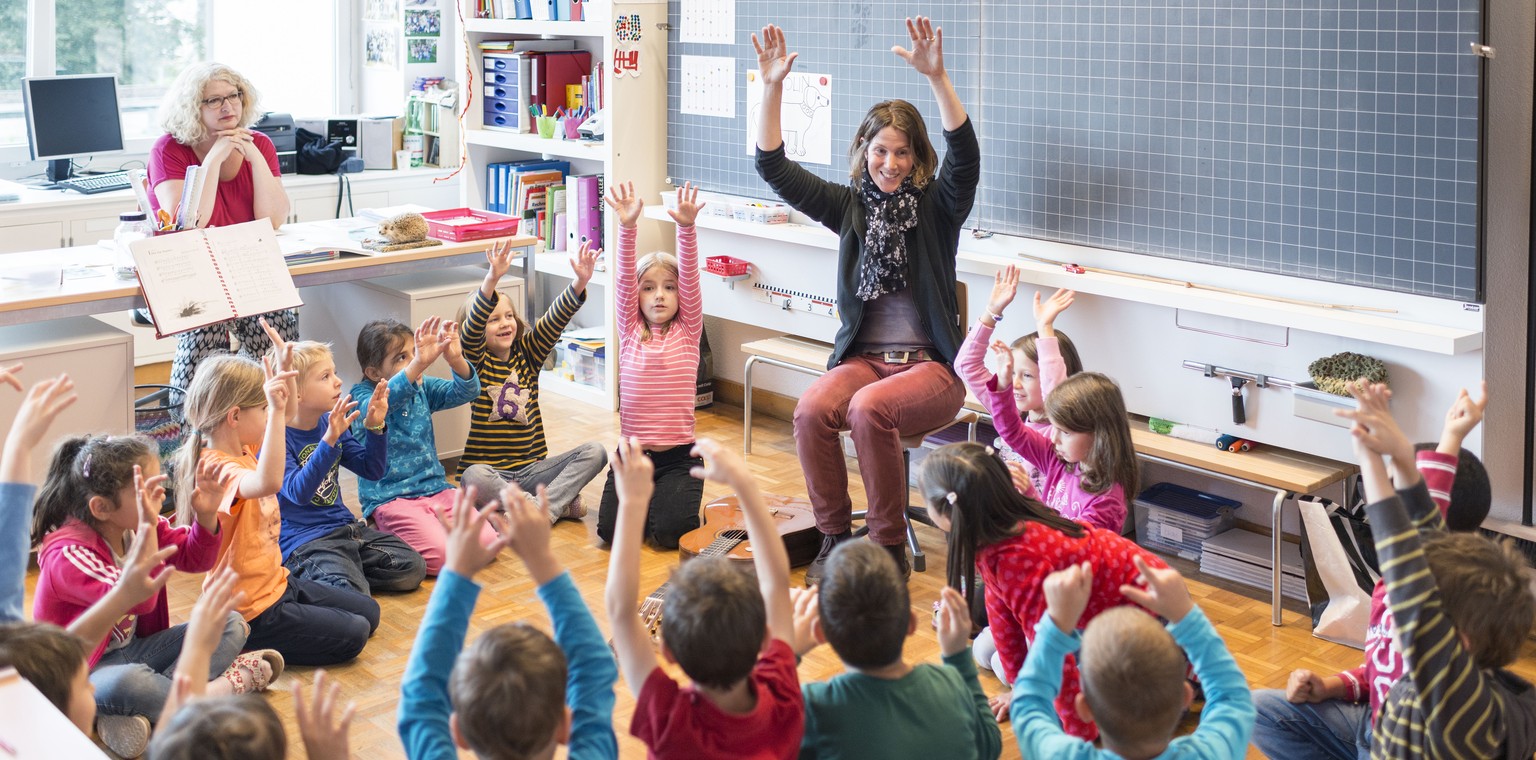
91	184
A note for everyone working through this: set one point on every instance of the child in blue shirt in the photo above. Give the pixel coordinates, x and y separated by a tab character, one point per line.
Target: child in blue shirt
39	407
514	692
405	500
321	539
1133	674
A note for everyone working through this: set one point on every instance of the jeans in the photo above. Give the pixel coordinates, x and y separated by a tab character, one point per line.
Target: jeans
674	507
315	624
562	476
1332	728
878	403
136	679
359	558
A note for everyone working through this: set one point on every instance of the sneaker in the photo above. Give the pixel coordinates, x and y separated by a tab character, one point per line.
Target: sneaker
819	565
125	735
903	565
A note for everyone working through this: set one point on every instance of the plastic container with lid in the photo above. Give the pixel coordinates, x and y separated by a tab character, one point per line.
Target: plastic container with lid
131	226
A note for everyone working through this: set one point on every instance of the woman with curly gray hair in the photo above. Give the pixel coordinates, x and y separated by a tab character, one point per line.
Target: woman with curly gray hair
207	114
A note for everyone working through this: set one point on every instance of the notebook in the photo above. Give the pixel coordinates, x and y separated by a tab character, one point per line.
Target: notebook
203	277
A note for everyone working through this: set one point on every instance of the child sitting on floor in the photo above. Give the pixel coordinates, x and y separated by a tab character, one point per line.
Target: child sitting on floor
514	693
883	707
728	633
1132	674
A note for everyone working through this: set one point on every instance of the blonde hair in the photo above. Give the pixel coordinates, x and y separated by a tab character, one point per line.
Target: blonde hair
462	315
1133	677
181	110
905	117
657	259
1089	402
306	353
222	383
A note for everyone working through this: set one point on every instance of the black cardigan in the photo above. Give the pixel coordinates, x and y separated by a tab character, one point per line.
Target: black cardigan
931	245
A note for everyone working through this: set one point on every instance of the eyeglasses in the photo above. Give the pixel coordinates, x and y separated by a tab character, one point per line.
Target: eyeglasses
212	103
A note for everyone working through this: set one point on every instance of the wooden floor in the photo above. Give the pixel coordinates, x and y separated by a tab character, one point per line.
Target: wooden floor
1266	654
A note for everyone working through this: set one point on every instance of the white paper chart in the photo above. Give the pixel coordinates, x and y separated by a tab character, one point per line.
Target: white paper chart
711	21
709	85
805	117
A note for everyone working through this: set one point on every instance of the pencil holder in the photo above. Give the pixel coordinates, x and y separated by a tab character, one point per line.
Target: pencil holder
546	127
572	127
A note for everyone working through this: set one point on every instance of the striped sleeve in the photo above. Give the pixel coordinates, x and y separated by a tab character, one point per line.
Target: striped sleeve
472	332
540	340
690	302
1454	713
1439	473
626	291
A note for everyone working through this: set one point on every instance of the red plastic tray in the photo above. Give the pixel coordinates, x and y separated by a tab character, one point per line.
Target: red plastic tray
460	224
727	266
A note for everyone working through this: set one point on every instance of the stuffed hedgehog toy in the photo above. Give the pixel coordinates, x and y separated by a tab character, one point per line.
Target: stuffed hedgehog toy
409	227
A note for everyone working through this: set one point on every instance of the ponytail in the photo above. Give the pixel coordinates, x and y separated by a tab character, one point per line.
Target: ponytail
187	457
222	383
968	485
84	467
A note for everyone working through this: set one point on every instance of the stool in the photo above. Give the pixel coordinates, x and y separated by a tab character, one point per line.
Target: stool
918	513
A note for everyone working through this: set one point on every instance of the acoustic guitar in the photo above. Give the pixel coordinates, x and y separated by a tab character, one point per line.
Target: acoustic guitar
724	534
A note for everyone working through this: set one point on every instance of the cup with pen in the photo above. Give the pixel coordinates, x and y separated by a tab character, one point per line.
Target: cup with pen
545	122
571	124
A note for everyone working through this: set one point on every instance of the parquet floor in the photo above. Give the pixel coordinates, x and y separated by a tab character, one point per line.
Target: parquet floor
1266	654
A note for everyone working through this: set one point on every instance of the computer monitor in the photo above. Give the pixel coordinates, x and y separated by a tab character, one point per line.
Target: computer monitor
70	116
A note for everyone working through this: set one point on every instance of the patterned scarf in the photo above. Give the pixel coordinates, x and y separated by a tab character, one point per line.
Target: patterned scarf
887	217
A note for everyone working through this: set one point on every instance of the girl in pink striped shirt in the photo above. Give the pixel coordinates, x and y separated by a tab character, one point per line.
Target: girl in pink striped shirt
661	316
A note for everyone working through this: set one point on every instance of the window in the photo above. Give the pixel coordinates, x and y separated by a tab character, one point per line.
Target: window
288	48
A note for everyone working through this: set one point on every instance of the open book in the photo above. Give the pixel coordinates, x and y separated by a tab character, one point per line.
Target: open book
202	277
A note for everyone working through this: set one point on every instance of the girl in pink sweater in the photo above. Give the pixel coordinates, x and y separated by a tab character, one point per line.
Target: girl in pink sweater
86	511
661	316
1041	360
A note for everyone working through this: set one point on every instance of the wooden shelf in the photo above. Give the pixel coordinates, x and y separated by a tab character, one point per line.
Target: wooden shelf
532	143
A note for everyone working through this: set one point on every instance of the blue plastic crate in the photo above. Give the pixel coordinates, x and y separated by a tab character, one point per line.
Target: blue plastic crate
1178	519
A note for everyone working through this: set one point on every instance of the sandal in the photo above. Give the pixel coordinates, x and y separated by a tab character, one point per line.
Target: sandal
250	663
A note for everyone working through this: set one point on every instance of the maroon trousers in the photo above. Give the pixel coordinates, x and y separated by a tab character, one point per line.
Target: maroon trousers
878	403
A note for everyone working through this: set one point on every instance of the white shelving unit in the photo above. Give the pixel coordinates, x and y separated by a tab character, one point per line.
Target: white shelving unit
634	150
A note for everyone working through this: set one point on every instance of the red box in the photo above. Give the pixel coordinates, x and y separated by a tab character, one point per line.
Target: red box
727	266
460	224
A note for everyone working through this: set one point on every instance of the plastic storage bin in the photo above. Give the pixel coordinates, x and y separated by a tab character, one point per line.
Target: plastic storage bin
1179	520
587	365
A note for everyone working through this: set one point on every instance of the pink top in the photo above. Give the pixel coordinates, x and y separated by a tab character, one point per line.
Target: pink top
971	366
657	377
76	569
1013	573
1384	663
235	201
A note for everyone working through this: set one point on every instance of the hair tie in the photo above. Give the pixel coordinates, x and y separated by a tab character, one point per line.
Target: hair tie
950	497
991	452
85	465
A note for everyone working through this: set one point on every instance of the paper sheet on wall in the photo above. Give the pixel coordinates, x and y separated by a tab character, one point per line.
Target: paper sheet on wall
711	21
709	85
805	119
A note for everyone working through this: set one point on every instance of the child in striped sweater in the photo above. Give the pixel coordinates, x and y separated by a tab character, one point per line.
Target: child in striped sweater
660	318
506	431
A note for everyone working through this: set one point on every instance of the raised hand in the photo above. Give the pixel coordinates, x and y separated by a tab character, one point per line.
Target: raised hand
720	464
272	334
499	256
325	734
1048	310
343	414
150	497
626	203
774	60
1066	595
633	473
1020	479
464	554
1002	357
583	263
528	529
277	388
448	341
688	205
429	343
807	613
209	484
1005	285
1165	594
138	580
1374	427
378	407
1464	415
39	408
954	622
927	53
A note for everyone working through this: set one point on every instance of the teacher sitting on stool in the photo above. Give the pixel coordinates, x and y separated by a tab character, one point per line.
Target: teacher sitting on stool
899	230
207	114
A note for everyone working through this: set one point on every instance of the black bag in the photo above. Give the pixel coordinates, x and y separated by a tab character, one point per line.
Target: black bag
315	155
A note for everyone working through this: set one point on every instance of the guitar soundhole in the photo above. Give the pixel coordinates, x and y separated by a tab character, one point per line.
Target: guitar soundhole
734	534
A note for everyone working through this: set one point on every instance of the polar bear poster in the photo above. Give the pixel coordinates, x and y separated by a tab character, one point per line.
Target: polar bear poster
805	119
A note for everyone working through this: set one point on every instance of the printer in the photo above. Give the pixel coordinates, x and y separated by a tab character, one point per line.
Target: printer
280	128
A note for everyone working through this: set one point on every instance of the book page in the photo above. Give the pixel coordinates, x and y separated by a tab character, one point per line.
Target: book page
253	267
32	728
180	282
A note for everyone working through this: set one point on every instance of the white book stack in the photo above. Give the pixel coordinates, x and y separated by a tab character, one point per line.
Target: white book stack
1243	557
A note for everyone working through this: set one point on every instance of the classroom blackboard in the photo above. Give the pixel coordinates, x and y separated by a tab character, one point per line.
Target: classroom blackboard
1329	142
